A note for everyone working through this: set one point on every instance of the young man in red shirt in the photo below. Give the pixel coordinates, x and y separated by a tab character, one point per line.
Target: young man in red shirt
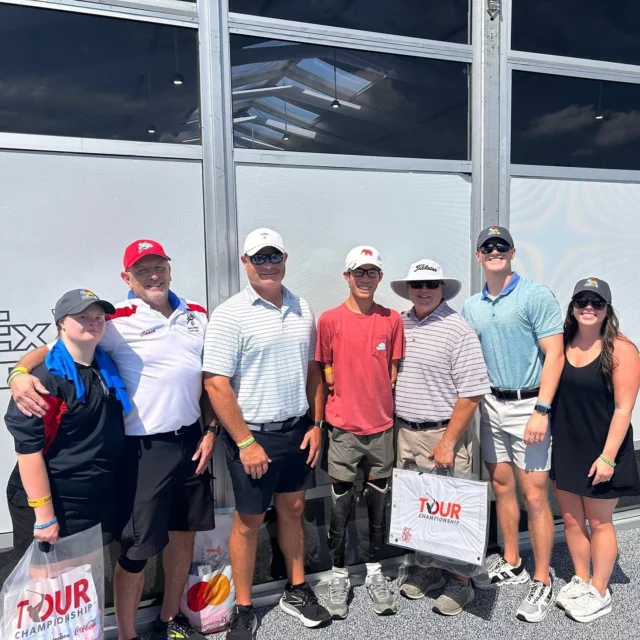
360	344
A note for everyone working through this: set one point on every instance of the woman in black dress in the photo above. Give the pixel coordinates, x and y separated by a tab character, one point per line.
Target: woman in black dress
593	461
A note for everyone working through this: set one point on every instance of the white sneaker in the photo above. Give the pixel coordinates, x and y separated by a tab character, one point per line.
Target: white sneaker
500	572
535	606
571	590
589	606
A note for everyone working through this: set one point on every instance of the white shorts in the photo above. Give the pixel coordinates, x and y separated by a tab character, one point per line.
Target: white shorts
502	425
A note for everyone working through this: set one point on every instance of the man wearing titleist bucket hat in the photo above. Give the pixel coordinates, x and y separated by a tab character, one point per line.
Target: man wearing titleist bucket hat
441	381
520	328
359	344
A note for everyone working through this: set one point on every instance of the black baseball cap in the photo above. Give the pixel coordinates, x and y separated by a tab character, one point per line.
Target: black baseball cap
494	233
78	300
595	285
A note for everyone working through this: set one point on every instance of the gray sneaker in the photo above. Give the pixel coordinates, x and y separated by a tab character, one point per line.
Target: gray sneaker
454	598
420	581
338	603
384	602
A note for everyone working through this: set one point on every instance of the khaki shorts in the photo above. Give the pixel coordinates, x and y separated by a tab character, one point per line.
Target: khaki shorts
348	451
415	445
502	425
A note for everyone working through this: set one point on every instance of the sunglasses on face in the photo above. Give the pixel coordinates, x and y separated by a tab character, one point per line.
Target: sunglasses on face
260	258
583	303
374	274
500	247
430	284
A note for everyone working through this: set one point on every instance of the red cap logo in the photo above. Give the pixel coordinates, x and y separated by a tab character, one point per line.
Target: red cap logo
140	249
367	252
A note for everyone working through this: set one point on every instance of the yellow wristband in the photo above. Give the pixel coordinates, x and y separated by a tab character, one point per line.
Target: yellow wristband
39	502
21	369
328	369
245	443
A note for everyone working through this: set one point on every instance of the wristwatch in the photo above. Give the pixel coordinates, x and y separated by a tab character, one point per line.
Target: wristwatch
214	428
319	423
542	408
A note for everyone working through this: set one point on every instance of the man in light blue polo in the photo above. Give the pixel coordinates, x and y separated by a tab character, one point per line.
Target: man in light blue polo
519	324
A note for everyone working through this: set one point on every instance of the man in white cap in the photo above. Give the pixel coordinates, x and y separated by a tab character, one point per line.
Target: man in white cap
440	384
262	378
360	344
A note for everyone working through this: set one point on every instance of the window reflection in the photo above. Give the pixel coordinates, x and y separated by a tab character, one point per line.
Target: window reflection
302	97
430	19
589	29
72	74
574	122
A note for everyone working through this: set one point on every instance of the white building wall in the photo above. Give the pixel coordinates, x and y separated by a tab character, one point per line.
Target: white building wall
65	222
565	230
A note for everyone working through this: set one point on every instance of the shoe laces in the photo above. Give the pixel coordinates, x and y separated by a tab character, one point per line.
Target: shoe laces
380	587
536	592
242	620
496	564
338	589
455	588
306	594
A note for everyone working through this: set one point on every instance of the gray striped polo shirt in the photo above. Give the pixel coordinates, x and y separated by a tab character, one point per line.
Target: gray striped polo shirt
264	351
443	362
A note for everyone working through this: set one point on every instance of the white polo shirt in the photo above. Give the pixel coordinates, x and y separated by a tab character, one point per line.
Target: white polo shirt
160	362
265	351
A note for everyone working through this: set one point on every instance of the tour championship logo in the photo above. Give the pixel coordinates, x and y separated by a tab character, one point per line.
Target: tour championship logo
439	510
49	610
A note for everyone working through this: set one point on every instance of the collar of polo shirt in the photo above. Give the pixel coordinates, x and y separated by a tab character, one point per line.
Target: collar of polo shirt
515	278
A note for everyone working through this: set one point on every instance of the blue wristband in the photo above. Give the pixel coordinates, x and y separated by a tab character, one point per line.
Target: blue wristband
46	524
544	404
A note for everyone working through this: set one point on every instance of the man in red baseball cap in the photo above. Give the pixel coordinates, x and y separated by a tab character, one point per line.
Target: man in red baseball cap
156	340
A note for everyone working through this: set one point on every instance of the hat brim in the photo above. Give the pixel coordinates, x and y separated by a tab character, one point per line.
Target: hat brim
107	307
254	250
450	290
590	290
144	255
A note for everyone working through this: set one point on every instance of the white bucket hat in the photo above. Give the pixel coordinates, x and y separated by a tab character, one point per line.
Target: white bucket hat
426	270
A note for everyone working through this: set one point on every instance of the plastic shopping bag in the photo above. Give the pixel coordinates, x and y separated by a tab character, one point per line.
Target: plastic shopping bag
209	596
56	591
445	519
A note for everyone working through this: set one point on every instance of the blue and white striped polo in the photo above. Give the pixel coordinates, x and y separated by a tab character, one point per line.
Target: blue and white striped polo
264	351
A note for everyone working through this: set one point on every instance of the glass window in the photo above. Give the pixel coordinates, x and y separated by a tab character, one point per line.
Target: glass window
588	29
72	74
430	19
573	122
300	97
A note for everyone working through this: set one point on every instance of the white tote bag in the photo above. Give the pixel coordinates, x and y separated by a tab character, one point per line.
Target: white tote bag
440	516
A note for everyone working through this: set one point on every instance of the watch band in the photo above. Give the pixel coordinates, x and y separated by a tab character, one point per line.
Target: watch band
319	423
542	408
214	428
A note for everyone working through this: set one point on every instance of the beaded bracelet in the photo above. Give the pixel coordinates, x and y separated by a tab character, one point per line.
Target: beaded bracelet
605	459
46	524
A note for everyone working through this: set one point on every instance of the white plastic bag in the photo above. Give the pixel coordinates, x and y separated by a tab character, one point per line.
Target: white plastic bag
210	596
446	519
58	593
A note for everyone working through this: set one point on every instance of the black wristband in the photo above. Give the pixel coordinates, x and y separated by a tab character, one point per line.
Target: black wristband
214	428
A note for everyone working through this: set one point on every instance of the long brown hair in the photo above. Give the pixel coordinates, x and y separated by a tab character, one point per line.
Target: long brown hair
609	331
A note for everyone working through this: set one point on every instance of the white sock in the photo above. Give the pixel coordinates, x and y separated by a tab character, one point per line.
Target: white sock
339	572
373	569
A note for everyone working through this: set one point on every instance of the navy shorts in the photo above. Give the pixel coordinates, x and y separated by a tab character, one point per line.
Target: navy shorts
288	471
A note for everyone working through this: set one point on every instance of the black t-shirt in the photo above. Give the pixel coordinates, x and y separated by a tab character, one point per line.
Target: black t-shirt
81	444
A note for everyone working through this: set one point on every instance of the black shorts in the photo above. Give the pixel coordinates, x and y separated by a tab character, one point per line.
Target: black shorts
160	491
288	470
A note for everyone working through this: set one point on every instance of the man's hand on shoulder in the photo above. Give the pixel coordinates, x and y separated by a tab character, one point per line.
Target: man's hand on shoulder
27	392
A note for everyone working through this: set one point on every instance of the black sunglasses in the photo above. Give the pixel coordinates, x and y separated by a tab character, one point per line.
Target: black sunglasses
372	273
260	258
488	247
430	284
583	302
